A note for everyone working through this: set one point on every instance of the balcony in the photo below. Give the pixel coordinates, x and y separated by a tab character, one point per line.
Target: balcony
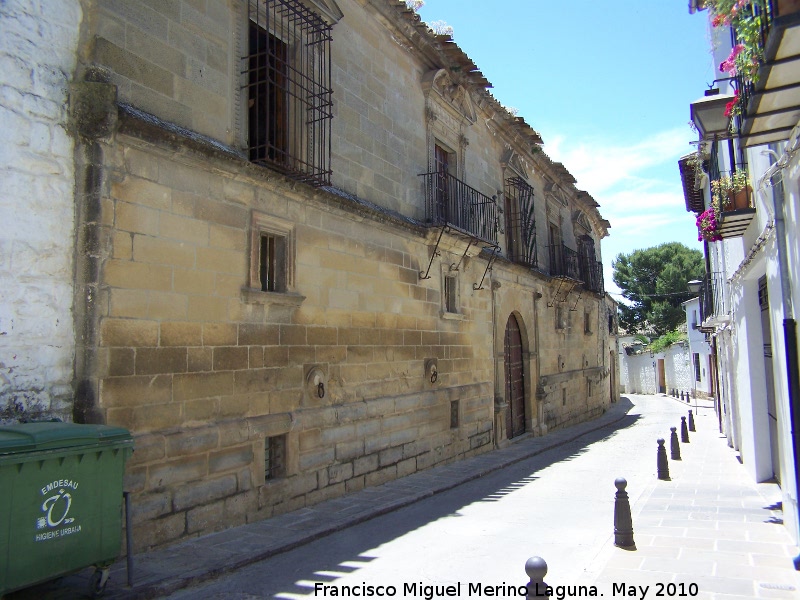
591	273
714	308
452	203
771	107
736	214
564	262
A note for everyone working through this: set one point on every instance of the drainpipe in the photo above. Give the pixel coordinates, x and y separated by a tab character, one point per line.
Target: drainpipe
789	329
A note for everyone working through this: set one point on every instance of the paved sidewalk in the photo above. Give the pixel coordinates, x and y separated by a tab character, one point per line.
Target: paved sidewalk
161	572
709	526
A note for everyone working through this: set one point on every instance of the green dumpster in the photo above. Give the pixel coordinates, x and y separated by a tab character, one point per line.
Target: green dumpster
60	501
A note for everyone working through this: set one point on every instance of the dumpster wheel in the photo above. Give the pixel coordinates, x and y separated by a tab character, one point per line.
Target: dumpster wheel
98	581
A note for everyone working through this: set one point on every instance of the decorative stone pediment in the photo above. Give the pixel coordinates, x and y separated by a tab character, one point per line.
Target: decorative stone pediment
557	196
579	219
327	9
512	160
439	87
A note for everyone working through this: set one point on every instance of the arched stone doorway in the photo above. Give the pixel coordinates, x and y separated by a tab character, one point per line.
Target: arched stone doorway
515	379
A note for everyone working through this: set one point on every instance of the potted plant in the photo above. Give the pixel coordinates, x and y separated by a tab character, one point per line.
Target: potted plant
707	226
696	162
745	18
731	192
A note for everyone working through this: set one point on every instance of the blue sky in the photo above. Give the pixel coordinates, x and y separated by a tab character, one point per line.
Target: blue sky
608	86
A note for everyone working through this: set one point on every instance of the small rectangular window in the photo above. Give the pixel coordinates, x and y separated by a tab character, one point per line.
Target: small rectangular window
274	457
272	252
696	357
272	263
453	414
587	323
561	322
451	294
564	397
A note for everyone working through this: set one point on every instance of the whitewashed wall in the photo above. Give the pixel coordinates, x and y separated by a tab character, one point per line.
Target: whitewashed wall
638	371
38	41
698	345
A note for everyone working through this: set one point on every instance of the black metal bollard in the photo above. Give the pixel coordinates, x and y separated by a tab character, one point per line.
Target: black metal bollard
681	395
691	422
623	522
661	461
684	431
688	397
536	569
675	446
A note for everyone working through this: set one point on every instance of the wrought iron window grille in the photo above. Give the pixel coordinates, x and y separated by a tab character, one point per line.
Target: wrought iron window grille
521	228
289	93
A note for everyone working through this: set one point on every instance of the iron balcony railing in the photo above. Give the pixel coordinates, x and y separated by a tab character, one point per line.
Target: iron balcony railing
764	17
713	299
591	272
564	262
451	202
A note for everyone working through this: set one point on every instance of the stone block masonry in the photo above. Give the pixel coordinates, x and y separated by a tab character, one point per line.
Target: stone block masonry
36	195
205	370
184	477
273	344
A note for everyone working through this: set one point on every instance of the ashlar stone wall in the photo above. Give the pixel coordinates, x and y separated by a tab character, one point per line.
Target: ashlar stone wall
203	368
358	371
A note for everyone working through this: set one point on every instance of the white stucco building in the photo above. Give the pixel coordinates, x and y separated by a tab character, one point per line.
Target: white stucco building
37	340
703	366
750	123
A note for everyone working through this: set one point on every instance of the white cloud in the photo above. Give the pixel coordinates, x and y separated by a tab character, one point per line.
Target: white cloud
599	165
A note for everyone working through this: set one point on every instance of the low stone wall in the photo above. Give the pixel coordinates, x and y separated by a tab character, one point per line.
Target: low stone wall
196	480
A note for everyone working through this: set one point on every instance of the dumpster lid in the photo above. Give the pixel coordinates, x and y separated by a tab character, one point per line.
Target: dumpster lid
26	437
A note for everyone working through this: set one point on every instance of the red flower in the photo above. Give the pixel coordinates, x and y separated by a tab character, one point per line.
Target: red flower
730	107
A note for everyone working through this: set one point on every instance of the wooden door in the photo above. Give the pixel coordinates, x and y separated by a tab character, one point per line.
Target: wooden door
515	380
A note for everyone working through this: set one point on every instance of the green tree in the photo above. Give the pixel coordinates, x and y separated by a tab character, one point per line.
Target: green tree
653	281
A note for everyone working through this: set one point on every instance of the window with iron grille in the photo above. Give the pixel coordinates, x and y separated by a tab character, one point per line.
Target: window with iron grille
520	222
289	95
556	251
696	357
274	457
453	414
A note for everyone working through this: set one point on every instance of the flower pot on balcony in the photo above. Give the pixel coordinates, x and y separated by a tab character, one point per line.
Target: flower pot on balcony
739	199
